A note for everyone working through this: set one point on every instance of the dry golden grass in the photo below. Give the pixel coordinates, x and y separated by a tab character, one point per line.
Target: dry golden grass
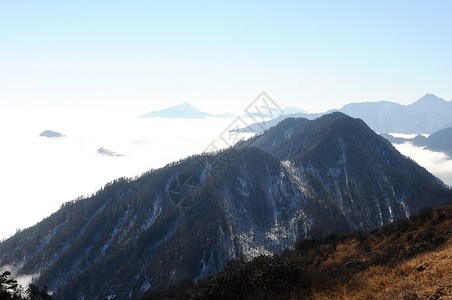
428	276
343	252
408	259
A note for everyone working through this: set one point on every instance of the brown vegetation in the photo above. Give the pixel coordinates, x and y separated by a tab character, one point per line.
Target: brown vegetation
407	259
427	276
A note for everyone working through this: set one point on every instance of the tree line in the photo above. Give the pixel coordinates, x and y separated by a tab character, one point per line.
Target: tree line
10	289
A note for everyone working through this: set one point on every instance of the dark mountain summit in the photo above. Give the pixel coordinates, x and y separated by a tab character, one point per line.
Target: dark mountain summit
345	162
184	221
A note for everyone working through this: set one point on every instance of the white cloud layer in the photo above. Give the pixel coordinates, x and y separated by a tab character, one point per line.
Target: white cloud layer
437	163
39	174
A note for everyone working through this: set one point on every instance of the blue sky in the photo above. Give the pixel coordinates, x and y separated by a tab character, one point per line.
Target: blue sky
219	56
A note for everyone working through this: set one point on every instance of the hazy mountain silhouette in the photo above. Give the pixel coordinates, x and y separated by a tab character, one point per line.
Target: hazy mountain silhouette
107	152
427	115
439	141
184	110
51	134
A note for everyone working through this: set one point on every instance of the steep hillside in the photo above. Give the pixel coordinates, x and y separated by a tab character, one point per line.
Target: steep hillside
184	221
348	166
408	259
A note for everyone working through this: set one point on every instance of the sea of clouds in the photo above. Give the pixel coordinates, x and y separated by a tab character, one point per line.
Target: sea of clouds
39	174
437	163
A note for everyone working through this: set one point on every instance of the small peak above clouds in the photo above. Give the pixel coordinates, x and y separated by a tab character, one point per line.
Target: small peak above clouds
182	111
429	99
51	134
107	152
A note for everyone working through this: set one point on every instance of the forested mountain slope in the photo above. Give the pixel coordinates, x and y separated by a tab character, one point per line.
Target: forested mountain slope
184	221
407	259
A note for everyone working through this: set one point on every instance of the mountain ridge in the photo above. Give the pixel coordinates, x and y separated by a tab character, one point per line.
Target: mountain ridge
426	115
332	174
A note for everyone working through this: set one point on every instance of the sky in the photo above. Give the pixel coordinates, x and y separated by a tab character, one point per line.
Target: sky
147	55
88	68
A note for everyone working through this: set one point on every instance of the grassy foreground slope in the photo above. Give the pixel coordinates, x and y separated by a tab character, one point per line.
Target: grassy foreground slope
407	259
427	276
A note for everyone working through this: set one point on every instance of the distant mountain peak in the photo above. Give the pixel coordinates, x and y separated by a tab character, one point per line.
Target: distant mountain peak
185	105
426	115
430	98
184	111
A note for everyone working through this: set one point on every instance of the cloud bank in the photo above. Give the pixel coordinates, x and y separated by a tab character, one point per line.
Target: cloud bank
437	163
